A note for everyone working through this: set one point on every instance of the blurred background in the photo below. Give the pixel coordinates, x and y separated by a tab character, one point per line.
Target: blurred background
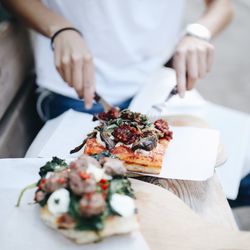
228	83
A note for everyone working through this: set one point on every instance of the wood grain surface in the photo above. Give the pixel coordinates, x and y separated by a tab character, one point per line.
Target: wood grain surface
206	198
168	223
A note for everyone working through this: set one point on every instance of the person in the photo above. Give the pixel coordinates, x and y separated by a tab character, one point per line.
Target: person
111	47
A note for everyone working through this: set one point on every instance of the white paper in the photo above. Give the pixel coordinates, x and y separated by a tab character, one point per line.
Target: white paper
21	228
191	155
72	128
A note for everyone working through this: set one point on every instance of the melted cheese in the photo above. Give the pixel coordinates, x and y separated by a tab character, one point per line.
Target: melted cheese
122	144
58	202
97	172
123	205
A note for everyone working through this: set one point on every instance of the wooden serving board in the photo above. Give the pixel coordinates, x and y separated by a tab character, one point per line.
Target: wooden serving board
205	198
167	223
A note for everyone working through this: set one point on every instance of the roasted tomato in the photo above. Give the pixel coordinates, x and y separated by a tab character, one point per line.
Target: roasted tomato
113	113
126	134
162	125
133	116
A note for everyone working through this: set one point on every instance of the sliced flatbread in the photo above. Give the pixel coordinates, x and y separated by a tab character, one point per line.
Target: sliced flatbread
114	225
137	161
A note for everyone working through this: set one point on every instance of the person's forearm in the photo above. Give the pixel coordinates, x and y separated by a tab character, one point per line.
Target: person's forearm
72	57
217	16
36	15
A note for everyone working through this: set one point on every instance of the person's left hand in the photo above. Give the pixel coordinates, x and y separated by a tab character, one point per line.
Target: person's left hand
192	60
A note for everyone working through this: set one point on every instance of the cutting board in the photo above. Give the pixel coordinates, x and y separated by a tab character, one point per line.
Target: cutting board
167	223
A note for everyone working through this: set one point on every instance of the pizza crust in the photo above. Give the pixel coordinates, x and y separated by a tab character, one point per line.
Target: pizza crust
143	169
145	162
114	225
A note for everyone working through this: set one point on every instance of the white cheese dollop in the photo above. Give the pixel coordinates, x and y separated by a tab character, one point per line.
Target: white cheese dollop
123	205
48	174
98	173
58	202
118	144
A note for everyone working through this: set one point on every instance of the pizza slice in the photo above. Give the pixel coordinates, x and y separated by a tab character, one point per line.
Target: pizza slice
131	137
87	200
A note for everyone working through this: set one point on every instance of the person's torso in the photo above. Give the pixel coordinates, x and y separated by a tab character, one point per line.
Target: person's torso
128	40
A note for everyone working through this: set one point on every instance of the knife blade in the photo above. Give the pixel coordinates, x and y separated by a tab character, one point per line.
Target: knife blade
173	92
99	99
160	107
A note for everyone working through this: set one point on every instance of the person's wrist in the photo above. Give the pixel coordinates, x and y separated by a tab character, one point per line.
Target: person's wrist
199	31
59	31
53	28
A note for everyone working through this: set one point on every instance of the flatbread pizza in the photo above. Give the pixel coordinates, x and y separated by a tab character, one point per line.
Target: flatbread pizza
131	137
87	200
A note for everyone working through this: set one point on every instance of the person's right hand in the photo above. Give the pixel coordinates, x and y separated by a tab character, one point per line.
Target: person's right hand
75	64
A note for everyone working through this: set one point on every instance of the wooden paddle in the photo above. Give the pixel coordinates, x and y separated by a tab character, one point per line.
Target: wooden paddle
168	223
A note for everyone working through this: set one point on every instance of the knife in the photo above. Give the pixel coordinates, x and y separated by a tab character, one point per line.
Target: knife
99	99
173	92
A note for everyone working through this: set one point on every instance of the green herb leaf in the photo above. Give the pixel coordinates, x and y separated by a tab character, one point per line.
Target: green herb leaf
103	154
52	166
121	185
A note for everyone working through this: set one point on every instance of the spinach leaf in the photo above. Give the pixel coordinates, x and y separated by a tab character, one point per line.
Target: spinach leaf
121	185
95	223
51	166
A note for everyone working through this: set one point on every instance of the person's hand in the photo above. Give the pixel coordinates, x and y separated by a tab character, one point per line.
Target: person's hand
75	64
192	60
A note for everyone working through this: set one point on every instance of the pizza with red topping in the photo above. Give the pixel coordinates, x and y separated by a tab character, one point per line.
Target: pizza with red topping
131	137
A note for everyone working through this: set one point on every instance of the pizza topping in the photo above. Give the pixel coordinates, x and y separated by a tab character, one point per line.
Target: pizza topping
85	193
134	117
126	134
130	129
106	138
92	205
39	196
113	113
97	173
82	163
65	221
78	148
104	184
146	143
80	186
99	139
123	205
58	202
162	125
113	167
52	166
55	181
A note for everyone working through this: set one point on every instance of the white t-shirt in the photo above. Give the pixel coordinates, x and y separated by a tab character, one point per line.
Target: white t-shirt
128	39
